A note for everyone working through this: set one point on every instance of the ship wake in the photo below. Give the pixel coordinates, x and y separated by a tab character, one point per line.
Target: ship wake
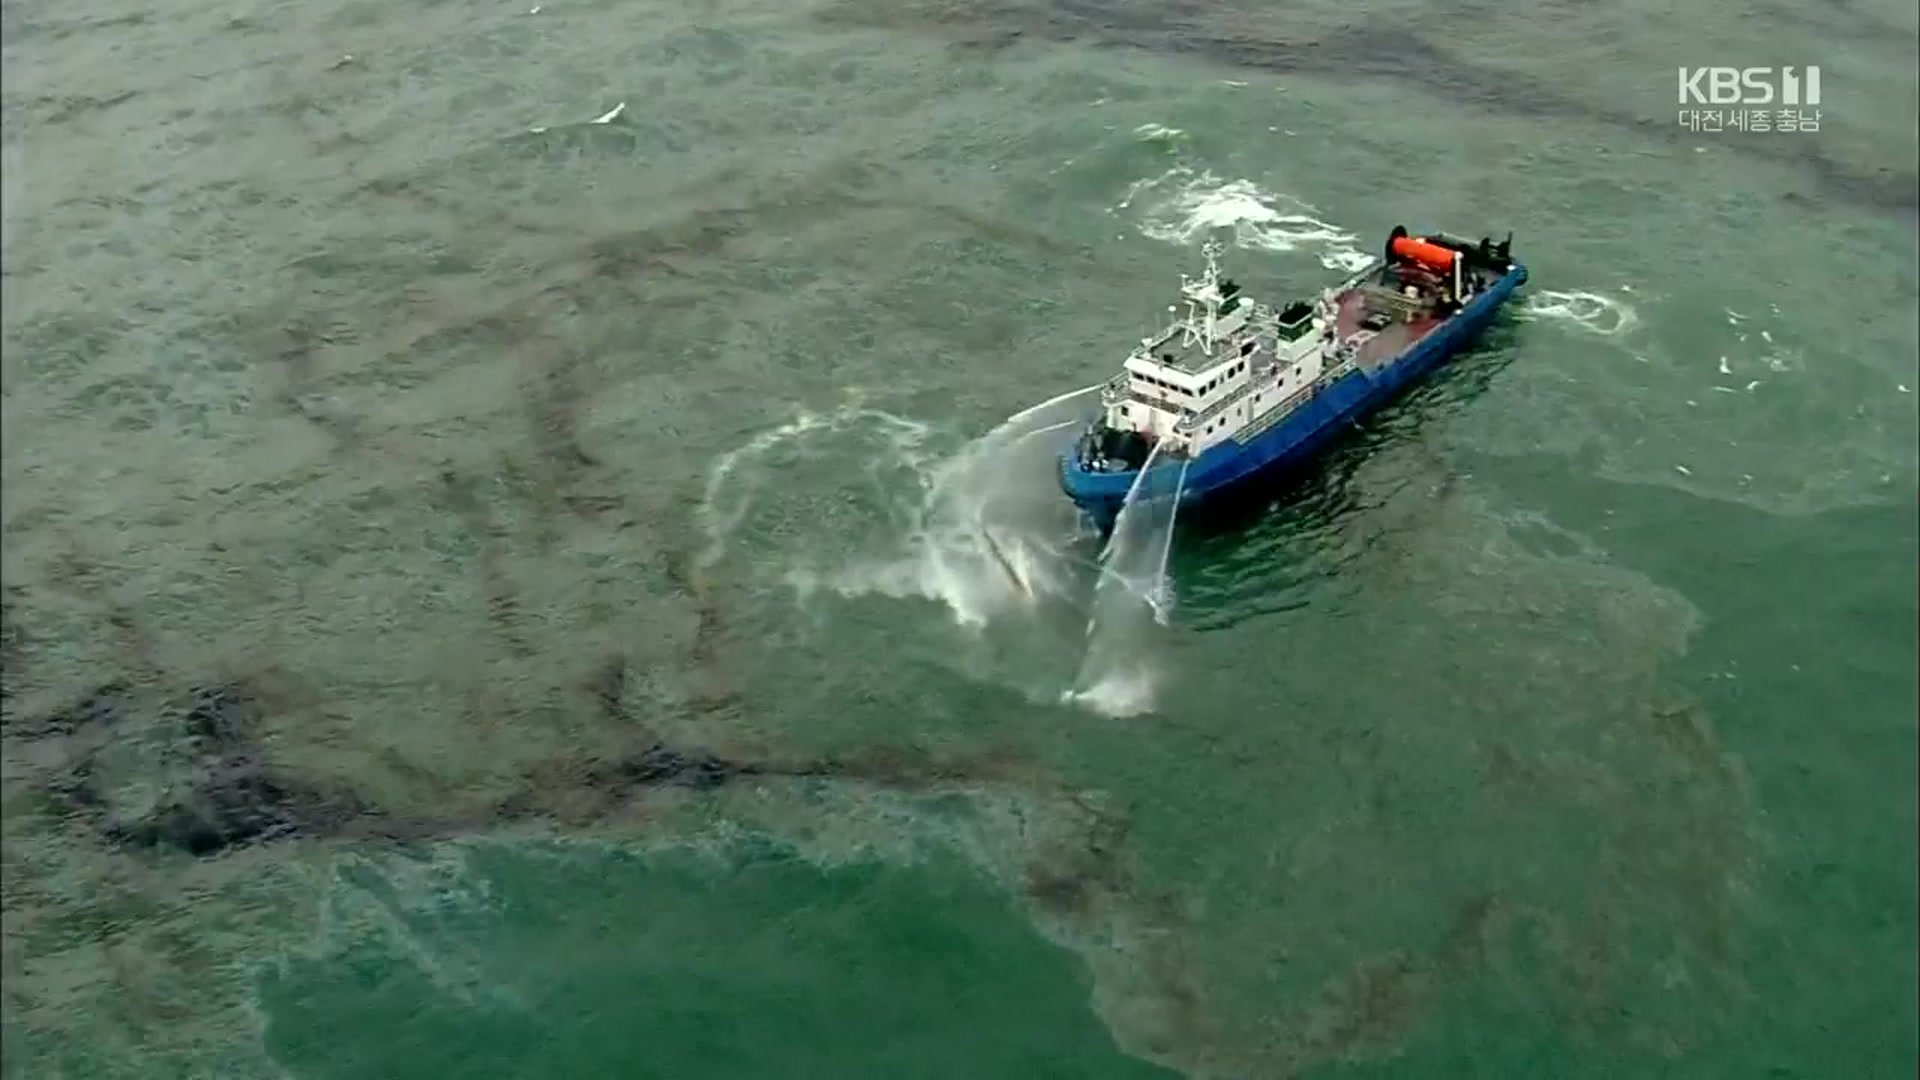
1596	314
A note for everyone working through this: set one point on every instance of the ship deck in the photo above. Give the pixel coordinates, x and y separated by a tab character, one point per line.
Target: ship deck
1385	343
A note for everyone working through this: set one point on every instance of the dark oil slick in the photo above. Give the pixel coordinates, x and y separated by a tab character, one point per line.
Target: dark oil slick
454	625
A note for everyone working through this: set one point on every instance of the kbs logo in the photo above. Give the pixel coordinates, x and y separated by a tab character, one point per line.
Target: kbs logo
1750	86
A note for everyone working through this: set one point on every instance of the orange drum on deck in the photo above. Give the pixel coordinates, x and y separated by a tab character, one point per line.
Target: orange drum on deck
1432	256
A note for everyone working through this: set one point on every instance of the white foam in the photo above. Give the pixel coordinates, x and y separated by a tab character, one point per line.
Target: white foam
729	496
1145	184
984	530
1195	205
955	568
1591	312
716	518
1121	693
1158	132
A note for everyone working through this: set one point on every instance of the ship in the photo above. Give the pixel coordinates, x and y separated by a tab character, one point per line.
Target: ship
1235	390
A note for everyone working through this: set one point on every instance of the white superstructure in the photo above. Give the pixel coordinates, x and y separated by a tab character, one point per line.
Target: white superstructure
1230	363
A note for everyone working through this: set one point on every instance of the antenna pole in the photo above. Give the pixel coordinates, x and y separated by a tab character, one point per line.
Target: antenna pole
1210	285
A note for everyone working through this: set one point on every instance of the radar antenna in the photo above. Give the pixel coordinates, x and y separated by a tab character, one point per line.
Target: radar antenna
1203	301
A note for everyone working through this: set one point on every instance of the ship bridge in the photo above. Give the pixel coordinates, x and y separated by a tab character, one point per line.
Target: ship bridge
1201	364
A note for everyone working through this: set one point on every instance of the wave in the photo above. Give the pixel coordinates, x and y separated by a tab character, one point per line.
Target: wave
1592	312
1184	206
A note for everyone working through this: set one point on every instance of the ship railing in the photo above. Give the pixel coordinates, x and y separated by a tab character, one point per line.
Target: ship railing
1381	298
1277	411
1286	405
1120	388
1225	403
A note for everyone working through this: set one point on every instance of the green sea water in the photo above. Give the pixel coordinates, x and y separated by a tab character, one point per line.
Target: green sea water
481	600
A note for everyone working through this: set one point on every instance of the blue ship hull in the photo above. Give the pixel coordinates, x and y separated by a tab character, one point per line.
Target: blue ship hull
1228	466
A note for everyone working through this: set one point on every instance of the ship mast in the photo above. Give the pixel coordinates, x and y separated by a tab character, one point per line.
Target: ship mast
1203	301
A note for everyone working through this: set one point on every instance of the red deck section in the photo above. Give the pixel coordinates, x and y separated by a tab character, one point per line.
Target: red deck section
1387	342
